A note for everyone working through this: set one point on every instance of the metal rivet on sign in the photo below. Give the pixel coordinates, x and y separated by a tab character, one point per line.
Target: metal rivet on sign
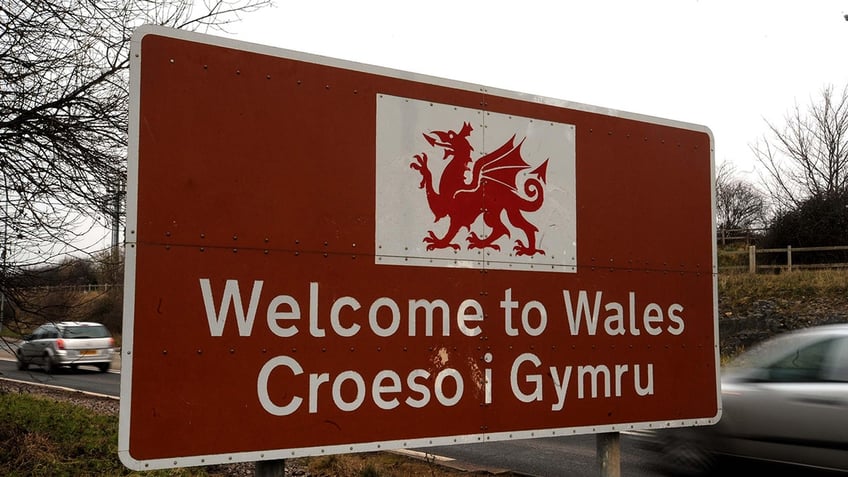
172	60
235	236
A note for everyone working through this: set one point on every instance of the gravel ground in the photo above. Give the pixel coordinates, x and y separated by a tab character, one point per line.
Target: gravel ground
98	404
740	328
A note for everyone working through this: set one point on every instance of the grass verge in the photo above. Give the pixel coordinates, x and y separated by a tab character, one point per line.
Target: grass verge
739	289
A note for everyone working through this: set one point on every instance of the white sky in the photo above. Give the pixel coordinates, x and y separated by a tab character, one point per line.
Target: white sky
725	64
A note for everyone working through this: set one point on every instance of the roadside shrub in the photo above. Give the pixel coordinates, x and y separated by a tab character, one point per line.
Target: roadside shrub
820	221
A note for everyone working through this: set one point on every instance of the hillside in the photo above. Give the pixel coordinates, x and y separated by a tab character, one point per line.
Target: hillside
754	307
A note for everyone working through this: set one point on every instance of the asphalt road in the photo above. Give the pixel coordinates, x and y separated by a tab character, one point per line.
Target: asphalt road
85	378
573	456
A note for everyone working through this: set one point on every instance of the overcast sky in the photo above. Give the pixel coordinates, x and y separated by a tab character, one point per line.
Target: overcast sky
726	64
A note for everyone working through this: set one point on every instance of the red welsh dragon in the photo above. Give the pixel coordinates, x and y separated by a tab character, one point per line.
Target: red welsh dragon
491	190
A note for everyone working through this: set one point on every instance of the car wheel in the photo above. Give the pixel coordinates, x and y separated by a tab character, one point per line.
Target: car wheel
22	365
49	365
103	367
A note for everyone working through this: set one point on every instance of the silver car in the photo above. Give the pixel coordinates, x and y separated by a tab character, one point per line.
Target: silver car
784	401
67	343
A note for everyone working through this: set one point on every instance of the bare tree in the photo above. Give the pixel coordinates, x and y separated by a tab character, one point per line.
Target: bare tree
808	156
64	114
739	205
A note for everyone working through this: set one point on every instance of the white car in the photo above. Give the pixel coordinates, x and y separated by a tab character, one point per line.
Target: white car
67	343
785	401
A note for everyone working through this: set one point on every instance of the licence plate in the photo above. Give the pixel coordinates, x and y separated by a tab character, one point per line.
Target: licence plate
88	352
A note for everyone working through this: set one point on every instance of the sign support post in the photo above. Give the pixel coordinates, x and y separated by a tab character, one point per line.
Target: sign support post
609	454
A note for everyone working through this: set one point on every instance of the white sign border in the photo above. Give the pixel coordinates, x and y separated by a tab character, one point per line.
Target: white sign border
274	454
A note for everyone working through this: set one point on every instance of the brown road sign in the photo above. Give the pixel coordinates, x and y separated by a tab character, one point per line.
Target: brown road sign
327	257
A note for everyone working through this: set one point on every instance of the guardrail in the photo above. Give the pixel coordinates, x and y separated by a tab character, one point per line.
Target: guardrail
753	265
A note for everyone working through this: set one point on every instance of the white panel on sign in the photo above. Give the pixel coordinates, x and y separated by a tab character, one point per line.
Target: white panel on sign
461	187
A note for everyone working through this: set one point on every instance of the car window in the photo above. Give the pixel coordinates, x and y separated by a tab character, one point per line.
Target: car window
837	369
38	333
85	331
764	354
803	364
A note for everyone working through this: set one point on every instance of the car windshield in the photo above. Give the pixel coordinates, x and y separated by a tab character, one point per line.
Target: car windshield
767	353
797	357
85	331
